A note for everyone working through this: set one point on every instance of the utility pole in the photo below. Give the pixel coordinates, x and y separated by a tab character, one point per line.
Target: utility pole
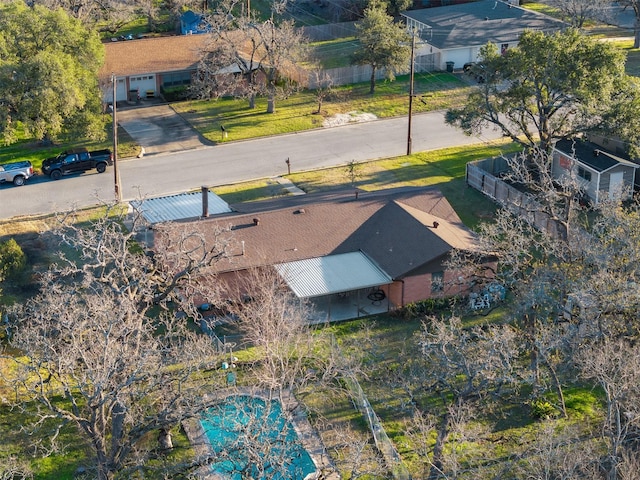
116	177
411	70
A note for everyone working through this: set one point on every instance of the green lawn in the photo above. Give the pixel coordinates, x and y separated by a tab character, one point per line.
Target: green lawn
444	169
297	112
36	152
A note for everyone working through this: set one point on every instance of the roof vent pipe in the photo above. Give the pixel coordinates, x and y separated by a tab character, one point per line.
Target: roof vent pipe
205	201
256	221
435	224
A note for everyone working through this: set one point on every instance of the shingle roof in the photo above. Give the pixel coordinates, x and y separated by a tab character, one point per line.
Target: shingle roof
153	55
394	228
592	155
476	23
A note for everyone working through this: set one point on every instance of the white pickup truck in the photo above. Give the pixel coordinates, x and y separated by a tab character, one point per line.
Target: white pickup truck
16	172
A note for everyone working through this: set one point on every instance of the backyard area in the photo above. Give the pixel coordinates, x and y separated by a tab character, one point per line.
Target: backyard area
501	432
386	344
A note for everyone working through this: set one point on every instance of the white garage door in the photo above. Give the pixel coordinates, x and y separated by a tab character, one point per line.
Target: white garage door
121	91
143	84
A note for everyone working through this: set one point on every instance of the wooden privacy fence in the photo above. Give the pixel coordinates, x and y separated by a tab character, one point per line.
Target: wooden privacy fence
483	176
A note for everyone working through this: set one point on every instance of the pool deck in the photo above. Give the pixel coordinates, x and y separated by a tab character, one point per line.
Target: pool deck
310	440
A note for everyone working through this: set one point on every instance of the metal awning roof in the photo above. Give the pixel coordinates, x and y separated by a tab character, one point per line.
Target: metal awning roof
179	207
314	277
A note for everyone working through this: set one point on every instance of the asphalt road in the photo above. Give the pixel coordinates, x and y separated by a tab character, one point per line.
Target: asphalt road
167	173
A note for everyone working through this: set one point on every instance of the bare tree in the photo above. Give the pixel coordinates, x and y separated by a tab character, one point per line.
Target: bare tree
270	48
105	348
576	12
15	469
615	365
463	366
324	88
634	6
558	454
106	15
292	356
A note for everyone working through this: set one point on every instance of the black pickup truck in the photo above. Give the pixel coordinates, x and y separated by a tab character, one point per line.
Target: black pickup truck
77	161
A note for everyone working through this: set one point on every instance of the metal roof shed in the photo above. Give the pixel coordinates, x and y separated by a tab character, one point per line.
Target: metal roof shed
179	207
315	277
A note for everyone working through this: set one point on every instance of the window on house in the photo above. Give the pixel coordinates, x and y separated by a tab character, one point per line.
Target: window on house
437	281
174	79
583	173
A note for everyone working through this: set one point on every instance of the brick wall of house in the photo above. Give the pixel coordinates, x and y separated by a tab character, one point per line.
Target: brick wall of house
420	287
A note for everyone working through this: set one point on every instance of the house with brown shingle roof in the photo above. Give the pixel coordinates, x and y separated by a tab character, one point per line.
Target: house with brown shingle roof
347	255
147	65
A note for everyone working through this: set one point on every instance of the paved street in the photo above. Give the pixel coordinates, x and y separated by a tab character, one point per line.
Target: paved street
167	173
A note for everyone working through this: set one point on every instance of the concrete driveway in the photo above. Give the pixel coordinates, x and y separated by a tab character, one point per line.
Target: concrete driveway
159	129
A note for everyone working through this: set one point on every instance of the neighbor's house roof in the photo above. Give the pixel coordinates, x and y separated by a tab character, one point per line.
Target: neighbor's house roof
156	55
592	155
153	55
477	23
393	228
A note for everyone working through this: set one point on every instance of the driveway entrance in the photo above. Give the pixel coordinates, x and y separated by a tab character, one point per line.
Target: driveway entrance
159	129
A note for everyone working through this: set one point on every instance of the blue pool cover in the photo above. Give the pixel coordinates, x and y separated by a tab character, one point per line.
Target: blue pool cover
251	438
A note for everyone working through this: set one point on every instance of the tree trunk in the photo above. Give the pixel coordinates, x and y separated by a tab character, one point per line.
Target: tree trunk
558	386
164	439
372	81
271	103
438	448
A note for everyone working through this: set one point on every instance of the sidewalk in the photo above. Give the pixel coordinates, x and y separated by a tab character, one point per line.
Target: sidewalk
288	184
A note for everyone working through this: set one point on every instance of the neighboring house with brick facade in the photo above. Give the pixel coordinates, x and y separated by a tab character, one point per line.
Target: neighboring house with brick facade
348	255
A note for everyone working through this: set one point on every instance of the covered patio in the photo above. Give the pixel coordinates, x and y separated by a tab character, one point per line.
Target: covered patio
338	287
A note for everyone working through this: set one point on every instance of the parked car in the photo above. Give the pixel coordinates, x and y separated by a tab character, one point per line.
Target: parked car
16	172
77	161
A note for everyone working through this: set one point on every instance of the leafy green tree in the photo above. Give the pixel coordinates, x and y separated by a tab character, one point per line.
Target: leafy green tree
48	79
548	87
394	7
384	43
12	259
622	120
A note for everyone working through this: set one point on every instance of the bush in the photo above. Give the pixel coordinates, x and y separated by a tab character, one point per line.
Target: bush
175	94
426	307
541	408
12	259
